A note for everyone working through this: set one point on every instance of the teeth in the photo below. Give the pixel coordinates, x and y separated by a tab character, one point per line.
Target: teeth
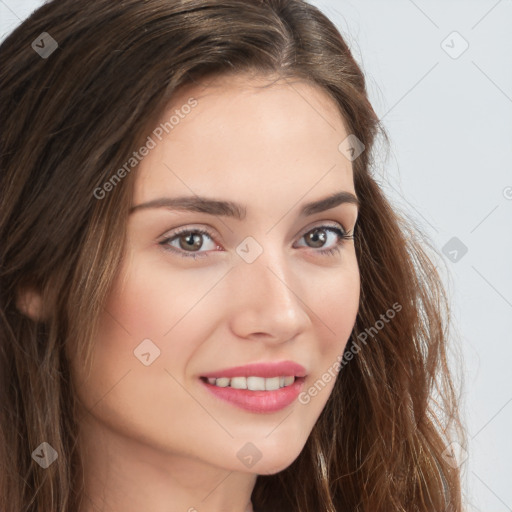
239	383
253	383
256	383
222	382
273	383
288	380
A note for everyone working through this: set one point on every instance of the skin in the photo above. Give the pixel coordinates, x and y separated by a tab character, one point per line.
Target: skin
152	437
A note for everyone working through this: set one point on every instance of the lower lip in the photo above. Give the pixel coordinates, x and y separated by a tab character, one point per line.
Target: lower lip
258	401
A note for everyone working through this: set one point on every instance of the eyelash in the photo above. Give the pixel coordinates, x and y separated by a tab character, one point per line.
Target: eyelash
343	236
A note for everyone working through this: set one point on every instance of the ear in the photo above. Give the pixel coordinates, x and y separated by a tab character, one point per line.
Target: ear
30	303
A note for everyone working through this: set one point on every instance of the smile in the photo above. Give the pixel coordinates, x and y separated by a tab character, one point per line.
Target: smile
258	388
253	383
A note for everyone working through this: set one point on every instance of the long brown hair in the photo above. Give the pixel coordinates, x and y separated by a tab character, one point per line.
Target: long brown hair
73	116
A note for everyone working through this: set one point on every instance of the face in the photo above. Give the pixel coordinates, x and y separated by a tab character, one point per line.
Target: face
212	300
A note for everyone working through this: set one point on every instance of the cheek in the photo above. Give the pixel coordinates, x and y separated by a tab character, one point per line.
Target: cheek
152	297
340	301
336	303
154	300
149	300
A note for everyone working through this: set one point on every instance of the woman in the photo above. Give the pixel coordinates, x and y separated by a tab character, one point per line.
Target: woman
207	301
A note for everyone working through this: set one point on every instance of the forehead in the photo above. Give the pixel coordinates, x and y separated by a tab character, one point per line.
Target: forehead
252	136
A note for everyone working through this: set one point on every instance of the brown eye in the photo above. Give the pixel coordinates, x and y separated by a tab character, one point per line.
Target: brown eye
189	240
318	237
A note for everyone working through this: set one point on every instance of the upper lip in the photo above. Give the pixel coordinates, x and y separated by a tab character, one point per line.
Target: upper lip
267	370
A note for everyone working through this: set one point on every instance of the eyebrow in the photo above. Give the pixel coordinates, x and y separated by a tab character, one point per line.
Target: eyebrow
236	210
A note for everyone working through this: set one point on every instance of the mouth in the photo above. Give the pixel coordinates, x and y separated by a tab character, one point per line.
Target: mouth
258	388
252	383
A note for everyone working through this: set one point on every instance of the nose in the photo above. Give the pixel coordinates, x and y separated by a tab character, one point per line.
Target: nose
268	300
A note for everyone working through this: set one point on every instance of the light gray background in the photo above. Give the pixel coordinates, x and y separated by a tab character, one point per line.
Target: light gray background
450	170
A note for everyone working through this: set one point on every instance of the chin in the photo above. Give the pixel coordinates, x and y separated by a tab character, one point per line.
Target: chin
276	463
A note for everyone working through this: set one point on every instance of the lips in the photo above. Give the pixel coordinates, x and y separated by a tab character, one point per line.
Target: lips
266	370
260	387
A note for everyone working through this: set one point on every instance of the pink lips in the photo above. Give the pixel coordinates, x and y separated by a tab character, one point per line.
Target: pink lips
266	370
259	401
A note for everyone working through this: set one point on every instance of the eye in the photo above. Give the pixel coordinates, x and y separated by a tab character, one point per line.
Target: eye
187	240
318	235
